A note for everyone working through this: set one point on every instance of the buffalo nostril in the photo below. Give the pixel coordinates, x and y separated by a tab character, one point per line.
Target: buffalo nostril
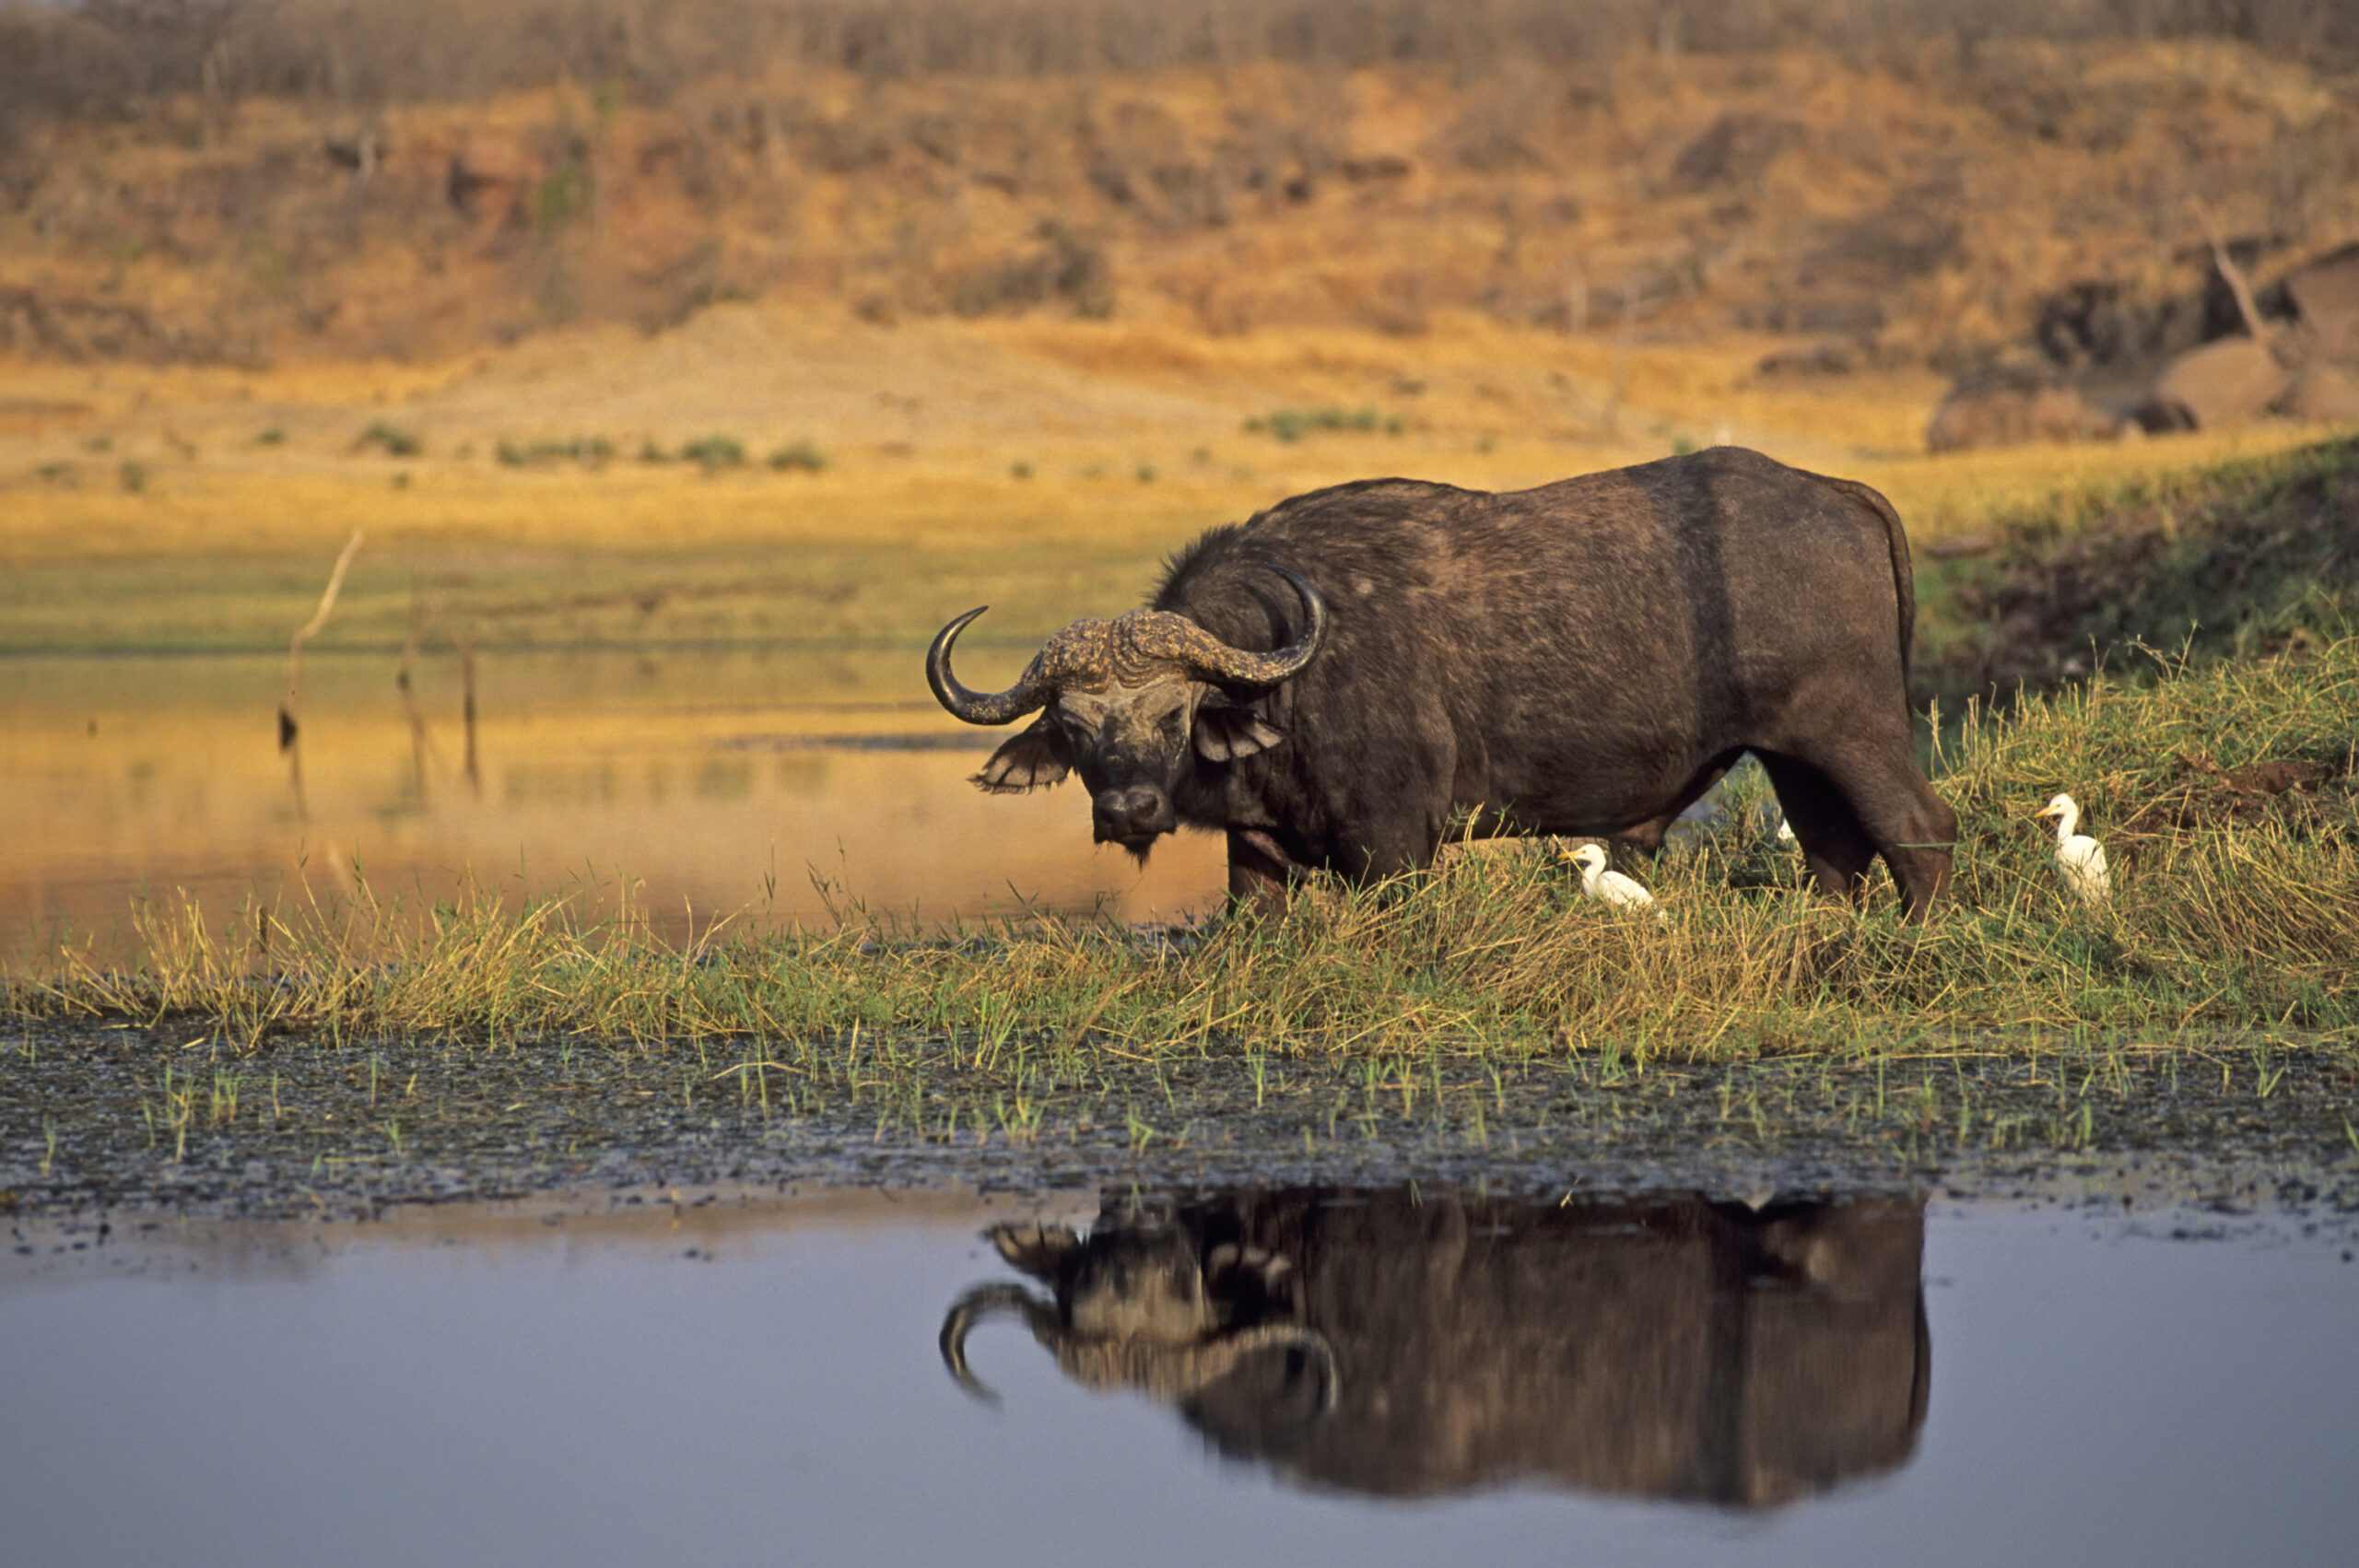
1127	811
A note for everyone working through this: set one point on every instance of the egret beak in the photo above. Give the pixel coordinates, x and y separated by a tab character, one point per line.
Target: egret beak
2045	810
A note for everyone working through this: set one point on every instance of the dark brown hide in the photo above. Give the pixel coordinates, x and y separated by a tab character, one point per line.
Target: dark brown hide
1581	659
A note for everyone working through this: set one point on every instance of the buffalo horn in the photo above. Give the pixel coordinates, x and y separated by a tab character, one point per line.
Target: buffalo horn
979	708
1090	651
1215	659
988	1301
1222	1355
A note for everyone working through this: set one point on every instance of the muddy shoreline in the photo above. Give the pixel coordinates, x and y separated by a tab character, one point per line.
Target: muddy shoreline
97	1121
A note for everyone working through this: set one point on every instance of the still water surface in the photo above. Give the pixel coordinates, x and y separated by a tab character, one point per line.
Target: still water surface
710	783
1372	1377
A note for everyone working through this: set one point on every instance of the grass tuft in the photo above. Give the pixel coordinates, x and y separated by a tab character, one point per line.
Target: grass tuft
2232	559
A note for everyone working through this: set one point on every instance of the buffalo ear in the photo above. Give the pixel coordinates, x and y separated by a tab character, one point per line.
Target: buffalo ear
1036	757
1036	1249
1226	731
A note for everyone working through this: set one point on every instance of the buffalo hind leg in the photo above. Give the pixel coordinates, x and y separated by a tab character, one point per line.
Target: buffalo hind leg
1835	845
1898	811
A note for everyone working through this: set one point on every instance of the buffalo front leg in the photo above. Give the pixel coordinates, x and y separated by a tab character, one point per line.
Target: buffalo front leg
1259	873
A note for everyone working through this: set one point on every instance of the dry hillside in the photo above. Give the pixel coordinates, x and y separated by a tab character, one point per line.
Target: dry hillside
1911	197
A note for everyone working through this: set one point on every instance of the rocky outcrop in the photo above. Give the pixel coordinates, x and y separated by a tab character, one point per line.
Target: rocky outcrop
2225	355
2231	382
2011	411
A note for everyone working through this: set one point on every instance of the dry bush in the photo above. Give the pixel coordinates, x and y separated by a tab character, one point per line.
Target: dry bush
112	56
415	179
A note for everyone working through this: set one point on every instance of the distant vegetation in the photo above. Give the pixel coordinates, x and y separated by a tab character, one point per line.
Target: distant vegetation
391	439
709	452
105	57
715	451
591	450
1293	424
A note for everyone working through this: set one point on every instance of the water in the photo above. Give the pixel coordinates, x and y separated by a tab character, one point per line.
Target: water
1409	1379
709	783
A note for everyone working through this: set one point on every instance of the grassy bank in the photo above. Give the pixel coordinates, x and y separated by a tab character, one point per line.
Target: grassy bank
2224	795
2255	555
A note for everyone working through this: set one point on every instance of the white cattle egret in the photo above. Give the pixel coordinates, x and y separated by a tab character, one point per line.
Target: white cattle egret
2080	859
1609	887
1770	823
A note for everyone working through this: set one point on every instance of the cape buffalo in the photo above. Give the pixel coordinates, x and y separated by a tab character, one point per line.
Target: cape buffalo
1328	681
1408	1343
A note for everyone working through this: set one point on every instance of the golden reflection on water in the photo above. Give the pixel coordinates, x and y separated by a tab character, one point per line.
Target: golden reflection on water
709	783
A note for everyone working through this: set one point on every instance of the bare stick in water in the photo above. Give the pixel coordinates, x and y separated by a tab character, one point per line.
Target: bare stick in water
468	708
420	742
287	725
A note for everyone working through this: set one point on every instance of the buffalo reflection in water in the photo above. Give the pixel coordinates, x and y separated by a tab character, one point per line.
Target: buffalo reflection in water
1381	1343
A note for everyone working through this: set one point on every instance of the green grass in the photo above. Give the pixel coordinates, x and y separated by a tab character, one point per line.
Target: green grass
2233	914
2246	557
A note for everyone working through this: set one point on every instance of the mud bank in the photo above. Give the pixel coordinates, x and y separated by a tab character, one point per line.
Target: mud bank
90	1125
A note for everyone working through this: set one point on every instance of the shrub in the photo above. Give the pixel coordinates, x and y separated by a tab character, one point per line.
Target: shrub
1293	424
590	450
715	452
395	442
